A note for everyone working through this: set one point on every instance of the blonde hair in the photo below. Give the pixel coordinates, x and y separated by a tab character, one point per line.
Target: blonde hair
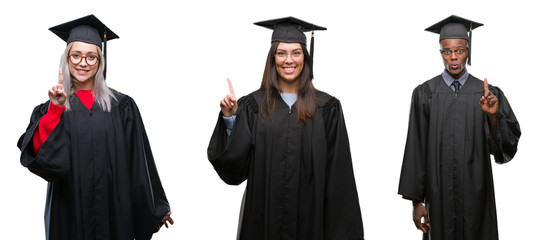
101	92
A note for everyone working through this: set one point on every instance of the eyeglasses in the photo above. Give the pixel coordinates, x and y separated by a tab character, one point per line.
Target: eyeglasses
449	52
77	59
294	55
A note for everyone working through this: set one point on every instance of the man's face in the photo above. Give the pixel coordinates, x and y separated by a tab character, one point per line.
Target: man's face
454	53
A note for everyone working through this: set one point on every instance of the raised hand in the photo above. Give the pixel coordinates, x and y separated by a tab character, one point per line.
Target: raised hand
488	102
57	94
228	105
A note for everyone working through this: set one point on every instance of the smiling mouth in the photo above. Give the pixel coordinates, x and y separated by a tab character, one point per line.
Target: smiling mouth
289	69
82	72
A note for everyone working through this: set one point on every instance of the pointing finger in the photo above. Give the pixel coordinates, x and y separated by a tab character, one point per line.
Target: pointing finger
486	88
230	86
61	76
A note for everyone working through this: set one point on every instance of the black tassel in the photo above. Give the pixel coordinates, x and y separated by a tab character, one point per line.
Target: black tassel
104	53
470	40
312	56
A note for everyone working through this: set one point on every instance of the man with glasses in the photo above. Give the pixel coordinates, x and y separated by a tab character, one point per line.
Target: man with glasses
456	122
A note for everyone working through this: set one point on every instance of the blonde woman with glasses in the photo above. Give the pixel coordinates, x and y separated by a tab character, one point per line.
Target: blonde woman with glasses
88	141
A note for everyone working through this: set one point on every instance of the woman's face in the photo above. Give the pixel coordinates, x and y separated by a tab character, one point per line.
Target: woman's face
83	64
289	61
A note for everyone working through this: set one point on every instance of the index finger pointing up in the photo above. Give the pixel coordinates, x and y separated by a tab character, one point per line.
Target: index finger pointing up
61	76
486	88
230	86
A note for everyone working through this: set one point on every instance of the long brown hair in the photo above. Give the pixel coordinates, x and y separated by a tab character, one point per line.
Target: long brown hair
306	93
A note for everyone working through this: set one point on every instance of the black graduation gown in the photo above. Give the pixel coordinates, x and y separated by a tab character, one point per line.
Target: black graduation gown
300	177
447	158
103	183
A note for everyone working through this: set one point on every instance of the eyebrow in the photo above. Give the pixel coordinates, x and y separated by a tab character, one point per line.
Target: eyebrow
455	47
90	52
279	49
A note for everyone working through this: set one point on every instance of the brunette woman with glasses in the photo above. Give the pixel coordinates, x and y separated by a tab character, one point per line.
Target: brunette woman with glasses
288	140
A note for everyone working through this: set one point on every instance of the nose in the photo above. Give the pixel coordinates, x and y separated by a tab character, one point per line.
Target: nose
83	62
453	56
288	59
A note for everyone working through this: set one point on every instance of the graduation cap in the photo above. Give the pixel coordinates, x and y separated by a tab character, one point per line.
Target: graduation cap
86	29
290	30
455	27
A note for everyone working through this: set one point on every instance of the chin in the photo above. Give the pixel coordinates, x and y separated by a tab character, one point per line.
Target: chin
455	72
460	72
291	79
81	79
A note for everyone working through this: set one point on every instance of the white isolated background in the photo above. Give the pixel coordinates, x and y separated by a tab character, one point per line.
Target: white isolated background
173	59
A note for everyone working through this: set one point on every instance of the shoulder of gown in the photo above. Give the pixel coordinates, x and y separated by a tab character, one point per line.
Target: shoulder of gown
252	101
121	100
327	102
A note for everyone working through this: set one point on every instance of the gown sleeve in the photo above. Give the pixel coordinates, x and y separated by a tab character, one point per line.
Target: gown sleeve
413	174
46	125
150	204
230	155
342	214
504	147
52	161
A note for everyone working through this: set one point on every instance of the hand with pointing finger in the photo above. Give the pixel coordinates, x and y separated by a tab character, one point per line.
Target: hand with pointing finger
488	102
57	94
228	105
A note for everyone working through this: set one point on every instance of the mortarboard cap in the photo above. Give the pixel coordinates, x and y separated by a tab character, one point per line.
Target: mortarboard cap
455	27
290	30
86	29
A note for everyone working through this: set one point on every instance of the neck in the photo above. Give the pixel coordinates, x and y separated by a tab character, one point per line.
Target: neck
288	87
86	85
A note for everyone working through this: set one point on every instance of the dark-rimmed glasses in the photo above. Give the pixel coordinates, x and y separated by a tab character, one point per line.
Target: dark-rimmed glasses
449	52
77	59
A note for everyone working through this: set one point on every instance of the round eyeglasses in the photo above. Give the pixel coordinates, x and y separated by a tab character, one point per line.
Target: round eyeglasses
77	59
